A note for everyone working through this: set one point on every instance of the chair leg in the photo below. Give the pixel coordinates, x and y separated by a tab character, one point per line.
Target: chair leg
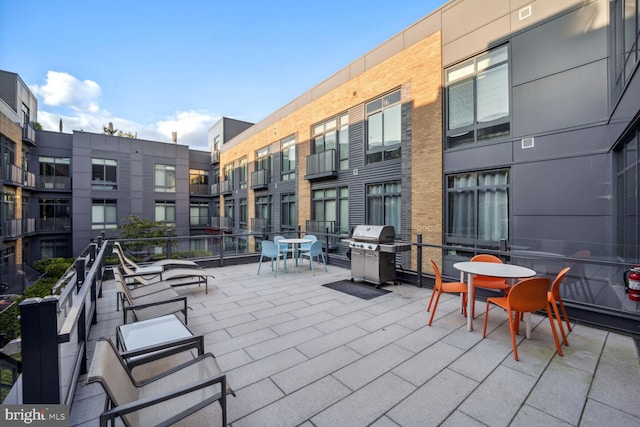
433	313
433	292
324	261
486	319
513	334
559	320
553	329
564	313
260	264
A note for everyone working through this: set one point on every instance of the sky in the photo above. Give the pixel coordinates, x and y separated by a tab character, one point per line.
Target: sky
153	67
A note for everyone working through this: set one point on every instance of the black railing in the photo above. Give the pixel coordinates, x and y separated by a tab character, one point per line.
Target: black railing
259	179
321	165
226	186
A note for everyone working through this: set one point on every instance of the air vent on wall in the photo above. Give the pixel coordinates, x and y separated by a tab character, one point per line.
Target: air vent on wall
527	143
524	13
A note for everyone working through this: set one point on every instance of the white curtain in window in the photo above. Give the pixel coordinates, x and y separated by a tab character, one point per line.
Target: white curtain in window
461	206
493	206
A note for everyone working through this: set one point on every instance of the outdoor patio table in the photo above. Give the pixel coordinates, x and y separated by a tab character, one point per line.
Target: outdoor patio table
295	245
151	332
492	269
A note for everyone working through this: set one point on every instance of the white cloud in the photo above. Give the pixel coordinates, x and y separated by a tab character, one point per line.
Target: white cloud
63	89
76	103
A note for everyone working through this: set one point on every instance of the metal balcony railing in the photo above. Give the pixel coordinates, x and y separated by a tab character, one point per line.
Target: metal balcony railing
215	189
199	189
226	187
28	133
215	156
55	182
260	179
54	224
321	165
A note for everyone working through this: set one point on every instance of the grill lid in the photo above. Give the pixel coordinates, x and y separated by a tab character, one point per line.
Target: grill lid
374	233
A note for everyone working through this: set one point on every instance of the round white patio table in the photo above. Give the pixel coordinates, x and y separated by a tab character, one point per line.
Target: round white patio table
492	269
295	245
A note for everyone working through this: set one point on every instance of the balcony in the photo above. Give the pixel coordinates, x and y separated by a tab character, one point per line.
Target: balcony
29	179
29	134
12	228
215	189
321	166
226	187
260	225
13	175
199	189
260	179
55	182
54	224
215	157
222	222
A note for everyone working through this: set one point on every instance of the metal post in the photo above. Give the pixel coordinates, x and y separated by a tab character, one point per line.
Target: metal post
92	252
221	240
419	259
40	358
80	271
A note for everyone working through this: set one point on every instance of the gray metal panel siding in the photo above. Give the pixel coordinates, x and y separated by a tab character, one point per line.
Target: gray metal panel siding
356	162
9	89
554	47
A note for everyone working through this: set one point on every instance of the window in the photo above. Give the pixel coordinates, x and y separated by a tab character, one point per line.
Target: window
104	214
383	128
54	249
333	135
264	161
477	103
331	205
55	173
243	172
229	211
198	181
478	207
198	214
244	214
104	174
165	178
55	214
166	212
263	213
288	147
627	202
288	218
384	205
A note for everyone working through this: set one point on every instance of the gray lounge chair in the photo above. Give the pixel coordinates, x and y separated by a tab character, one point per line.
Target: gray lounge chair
185	393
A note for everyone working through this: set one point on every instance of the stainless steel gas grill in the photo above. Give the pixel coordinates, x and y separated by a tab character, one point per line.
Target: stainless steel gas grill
373	253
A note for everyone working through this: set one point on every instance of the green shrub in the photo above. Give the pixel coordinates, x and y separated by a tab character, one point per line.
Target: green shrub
58	267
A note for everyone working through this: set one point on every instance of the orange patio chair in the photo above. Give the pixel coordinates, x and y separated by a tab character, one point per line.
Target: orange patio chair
487	282
526	296
556	300
449	287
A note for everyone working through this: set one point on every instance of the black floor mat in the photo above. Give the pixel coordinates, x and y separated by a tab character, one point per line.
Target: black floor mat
357	289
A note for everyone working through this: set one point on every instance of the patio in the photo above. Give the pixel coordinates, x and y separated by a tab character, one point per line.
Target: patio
298	353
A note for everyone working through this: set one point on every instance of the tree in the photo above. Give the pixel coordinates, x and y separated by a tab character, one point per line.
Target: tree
148	234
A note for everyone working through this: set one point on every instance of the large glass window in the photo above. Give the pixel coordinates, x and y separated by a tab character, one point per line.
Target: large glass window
55	173
384	205
104	214
104	174
331	205
478	207
244	214
198	214
627	201
55	214
384	128
333	134
263	213
243	172
229	211
288	217
288	147
54	249
165	211
264	161
198	181
477	102
165	178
